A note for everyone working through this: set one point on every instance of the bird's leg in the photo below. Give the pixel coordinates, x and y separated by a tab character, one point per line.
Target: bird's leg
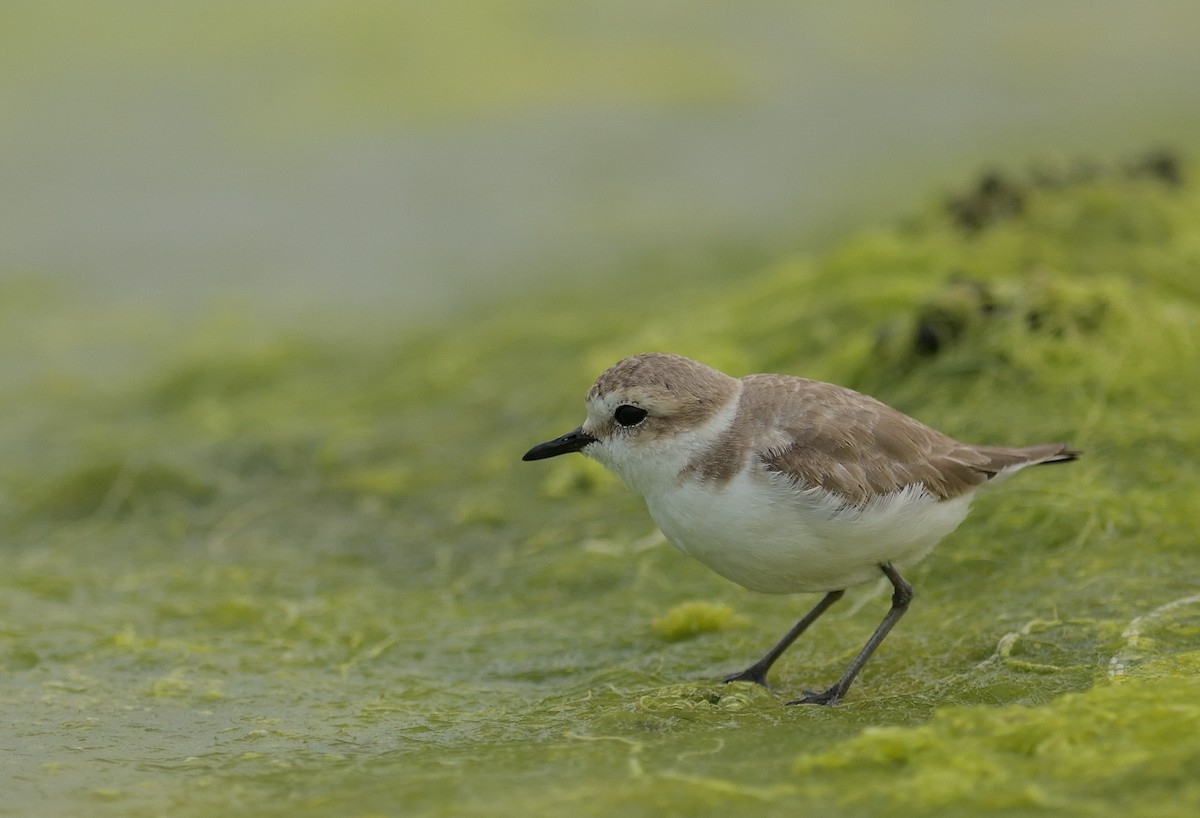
757	672
901	597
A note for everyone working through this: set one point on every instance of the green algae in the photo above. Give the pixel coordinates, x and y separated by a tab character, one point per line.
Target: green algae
1114	748
263	572
690	619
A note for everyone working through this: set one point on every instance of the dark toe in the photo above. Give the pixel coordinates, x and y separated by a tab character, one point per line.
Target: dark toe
829	698
750	674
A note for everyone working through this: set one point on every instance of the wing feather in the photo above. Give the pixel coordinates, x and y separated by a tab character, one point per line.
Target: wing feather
820	434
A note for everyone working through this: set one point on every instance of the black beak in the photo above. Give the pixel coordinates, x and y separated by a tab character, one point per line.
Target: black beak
572	441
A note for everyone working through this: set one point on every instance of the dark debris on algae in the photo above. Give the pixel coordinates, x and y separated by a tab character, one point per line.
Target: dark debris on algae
998	197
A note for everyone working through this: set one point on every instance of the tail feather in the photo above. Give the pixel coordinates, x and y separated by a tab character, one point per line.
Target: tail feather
1003	460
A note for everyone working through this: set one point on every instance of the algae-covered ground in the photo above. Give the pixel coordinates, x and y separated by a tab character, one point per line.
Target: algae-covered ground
252	570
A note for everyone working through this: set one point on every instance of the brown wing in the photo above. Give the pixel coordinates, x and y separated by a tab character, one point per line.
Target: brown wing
824	435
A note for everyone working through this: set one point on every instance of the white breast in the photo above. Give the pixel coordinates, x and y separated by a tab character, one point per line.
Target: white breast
764	533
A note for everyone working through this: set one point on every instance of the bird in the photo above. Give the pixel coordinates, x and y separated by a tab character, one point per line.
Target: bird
784	484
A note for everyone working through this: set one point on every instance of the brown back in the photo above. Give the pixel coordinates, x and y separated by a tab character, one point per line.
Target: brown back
819	434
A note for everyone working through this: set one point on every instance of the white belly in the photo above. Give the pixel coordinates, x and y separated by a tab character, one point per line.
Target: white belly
769	536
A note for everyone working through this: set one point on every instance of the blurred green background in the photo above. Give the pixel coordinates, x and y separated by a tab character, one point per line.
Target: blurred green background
286	289
405	156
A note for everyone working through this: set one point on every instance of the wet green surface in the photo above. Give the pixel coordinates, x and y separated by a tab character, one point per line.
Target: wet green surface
255	571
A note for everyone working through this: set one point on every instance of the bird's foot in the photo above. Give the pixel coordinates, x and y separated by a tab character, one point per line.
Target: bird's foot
751	674
829	698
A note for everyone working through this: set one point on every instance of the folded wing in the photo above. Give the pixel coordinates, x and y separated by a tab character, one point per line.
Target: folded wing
851	444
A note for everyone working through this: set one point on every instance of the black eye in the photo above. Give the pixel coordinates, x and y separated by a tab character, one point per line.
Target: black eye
629	415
